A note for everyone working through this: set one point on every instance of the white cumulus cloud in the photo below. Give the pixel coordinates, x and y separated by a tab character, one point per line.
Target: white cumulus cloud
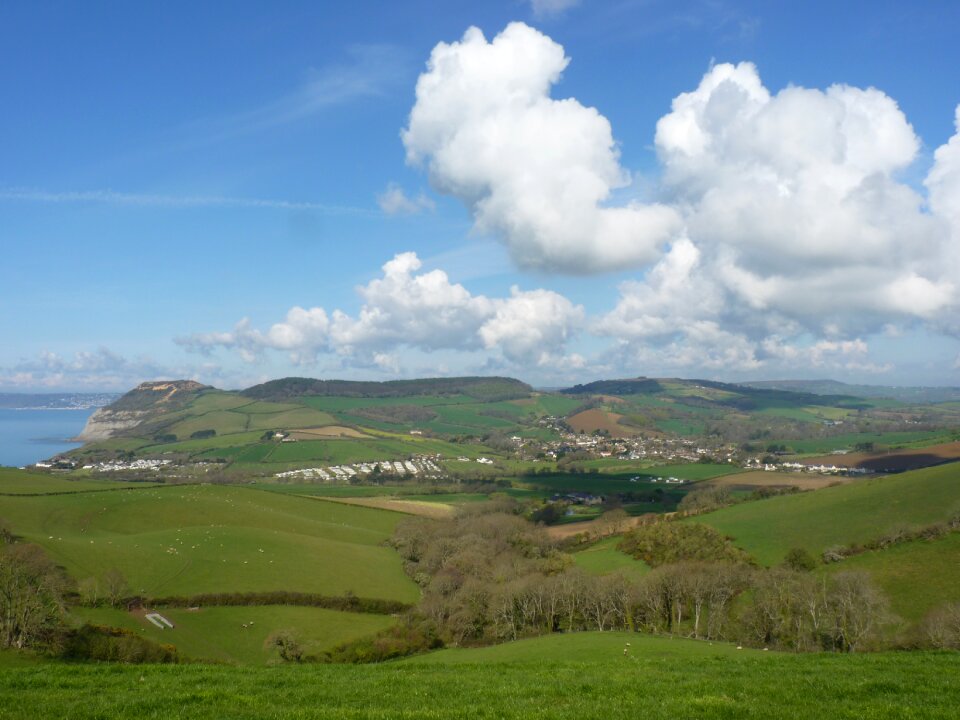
533	170
407	308
793	198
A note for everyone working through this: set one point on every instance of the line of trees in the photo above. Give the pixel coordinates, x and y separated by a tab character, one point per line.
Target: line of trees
489	576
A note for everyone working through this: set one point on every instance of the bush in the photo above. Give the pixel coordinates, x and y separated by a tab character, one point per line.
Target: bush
941	628
286	644
800	559
396	642
106	644
665	542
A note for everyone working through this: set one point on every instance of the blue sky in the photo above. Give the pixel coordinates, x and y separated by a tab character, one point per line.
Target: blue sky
187	191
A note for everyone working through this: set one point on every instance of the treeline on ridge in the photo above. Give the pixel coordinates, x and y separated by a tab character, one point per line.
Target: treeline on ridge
481	388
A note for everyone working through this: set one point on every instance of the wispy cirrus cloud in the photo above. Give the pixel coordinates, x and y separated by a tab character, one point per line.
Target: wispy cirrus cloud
113	197
543	9
367	71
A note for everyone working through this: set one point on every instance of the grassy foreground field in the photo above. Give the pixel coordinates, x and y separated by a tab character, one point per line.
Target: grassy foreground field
692	680
182	540
856	512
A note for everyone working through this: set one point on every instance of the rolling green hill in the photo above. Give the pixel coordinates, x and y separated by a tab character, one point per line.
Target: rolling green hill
841	515
917	576
183	540
480	388
24	482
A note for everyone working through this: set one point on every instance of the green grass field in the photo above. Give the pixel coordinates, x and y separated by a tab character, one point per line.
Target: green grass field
594	647
601	483
917	576
192	539
603	558
841	515
576	676
218	633
23	482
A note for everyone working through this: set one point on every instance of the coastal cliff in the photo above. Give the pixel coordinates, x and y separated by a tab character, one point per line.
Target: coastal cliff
138	406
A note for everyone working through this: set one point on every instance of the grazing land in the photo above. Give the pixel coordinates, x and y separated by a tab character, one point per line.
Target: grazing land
853	513
183	540
23	482
603	558
559	677
917	576
239	634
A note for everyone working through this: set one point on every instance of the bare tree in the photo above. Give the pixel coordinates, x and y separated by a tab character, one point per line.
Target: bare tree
31	596
116	586
859	609
942	627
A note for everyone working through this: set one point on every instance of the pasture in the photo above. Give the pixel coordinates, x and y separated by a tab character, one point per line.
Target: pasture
917	576
237	634
182	540
24	482
574	676
603	558
855	512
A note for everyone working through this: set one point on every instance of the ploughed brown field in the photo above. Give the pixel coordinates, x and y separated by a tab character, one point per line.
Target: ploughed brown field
894	460
329	431
569	530
423	508
590	421
758	478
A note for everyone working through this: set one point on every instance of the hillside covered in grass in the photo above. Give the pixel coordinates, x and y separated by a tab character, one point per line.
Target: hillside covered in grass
570	676
841	515
184	540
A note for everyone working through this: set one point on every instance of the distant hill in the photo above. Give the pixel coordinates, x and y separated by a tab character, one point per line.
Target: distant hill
743	397
481	388
833	387
182	410
631	386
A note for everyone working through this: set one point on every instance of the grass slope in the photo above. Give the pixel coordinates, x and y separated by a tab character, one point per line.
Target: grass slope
192	539
841	515
23	482
647	685
917	576
603	558
218	633
583	647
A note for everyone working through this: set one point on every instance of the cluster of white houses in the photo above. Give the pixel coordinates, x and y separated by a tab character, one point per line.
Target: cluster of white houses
420	465
821	468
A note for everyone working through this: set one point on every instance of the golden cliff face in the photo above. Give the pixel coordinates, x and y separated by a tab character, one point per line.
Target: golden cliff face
140	404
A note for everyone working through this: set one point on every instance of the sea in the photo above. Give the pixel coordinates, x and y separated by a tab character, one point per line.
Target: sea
27	436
